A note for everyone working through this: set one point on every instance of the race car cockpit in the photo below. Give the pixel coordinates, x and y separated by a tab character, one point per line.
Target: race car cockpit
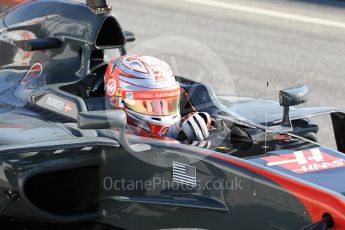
55	63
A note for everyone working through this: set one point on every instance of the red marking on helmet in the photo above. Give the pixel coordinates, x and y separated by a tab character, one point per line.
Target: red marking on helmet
117	72
127	61
130	83
108	73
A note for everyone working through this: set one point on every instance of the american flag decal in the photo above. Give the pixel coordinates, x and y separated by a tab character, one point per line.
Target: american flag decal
184	174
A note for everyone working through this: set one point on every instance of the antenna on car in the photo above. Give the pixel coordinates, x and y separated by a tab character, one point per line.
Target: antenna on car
266	118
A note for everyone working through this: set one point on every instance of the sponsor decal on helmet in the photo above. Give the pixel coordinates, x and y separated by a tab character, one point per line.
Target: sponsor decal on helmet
151	94
159	76
305	161
129	95
119	92
111	87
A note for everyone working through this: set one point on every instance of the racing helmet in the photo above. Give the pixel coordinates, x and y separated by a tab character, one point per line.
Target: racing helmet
146	88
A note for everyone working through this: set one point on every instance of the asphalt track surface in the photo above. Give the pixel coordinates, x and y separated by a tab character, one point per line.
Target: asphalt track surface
285	43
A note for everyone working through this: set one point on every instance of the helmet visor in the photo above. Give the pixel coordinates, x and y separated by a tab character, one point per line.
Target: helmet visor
161	107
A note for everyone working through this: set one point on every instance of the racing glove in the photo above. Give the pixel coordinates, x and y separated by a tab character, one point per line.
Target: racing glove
192	127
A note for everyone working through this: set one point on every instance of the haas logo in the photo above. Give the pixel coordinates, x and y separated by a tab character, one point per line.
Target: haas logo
305	161
111	87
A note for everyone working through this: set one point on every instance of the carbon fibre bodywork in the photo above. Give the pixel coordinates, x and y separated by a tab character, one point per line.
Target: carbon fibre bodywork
54	174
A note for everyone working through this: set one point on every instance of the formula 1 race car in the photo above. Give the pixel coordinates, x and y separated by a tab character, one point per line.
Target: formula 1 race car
67	161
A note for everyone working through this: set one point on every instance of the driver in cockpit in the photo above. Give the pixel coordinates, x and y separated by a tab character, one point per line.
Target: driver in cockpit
146	89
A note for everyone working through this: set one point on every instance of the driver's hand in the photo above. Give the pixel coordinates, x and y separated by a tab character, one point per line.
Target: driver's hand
192	127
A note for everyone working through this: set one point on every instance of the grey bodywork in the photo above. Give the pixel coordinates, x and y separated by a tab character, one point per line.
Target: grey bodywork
60	173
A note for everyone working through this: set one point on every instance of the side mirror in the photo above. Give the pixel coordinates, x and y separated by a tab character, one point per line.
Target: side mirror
290	97
110	119
293	96
129	36
102	119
